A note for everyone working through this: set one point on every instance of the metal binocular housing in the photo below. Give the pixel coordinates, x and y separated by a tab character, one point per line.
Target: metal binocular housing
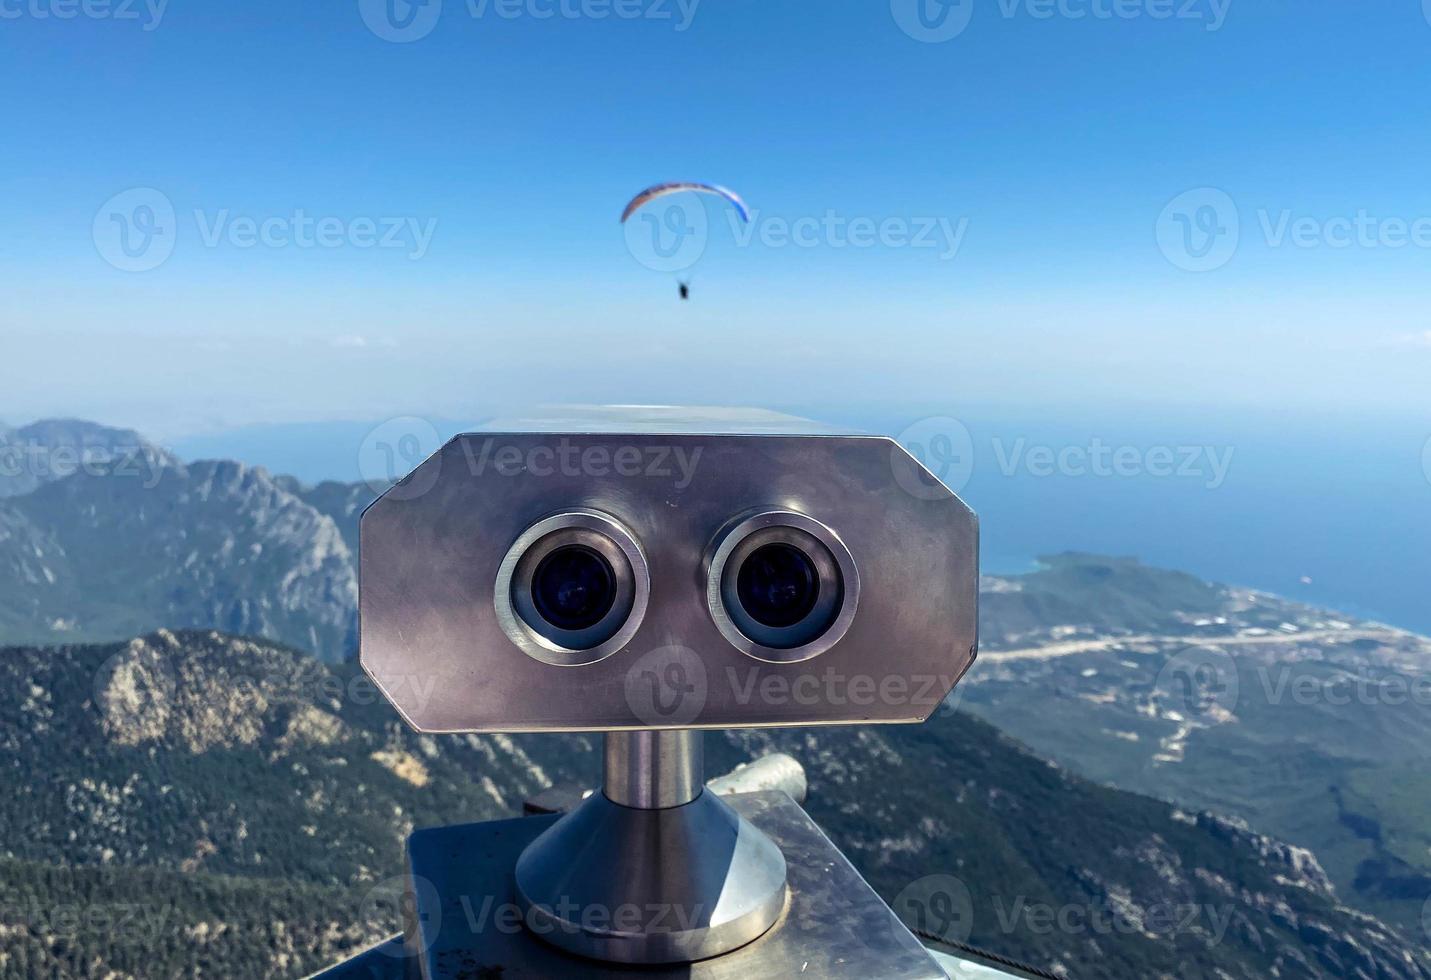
648	575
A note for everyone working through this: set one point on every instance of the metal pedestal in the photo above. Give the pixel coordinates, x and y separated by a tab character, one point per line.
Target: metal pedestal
653	869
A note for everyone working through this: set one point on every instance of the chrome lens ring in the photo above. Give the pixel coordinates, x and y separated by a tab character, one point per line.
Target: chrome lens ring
830	614
518	609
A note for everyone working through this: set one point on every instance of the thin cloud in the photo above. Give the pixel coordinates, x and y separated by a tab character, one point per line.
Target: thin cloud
1417	338
357	342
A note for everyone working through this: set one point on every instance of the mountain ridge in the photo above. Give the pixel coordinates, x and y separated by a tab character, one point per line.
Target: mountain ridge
1097	662
201	754
102	553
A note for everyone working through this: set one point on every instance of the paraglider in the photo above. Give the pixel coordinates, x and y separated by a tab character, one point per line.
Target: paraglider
658	191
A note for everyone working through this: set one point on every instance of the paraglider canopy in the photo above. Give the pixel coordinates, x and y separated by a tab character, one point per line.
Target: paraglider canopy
665	190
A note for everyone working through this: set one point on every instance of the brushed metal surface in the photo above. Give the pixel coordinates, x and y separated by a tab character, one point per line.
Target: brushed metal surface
431	549
460	921
654	770
776	771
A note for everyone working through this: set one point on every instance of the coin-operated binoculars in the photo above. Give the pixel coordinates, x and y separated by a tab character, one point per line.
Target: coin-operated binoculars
649	580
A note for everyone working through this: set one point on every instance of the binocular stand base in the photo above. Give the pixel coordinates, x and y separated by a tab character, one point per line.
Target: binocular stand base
466	918
645	886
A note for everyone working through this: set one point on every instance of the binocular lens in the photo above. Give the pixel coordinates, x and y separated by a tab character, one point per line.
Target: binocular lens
781	586
778	585
574	588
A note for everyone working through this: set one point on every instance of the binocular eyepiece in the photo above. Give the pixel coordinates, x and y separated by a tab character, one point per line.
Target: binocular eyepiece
780	586
573	588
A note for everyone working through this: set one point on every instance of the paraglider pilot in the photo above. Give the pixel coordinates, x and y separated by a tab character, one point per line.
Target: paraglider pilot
664	190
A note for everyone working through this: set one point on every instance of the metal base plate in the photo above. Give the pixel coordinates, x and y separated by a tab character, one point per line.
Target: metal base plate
465	920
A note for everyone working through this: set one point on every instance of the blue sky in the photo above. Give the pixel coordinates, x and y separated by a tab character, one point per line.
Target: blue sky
501	147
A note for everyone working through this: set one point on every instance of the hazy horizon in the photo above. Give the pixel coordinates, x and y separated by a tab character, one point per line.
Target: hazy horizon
1328	514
